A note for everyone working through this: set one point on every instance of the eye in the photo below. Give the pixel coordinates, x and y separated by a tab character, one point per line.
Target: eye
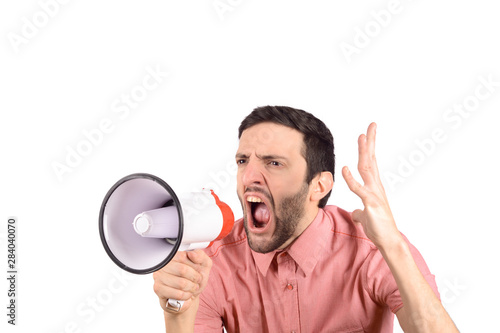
275	163
241	161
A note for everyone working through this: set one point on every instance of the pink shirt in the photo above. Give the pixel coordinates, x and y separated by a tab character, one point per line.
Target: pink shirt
331	279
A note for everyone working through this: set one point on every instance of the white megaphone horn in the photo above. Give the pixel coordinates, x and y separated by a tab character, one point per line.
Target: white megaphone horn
143	223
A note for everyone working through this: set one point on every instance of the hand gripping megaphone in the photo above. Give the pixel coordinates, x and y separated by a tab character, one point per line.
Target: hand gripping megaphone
143	223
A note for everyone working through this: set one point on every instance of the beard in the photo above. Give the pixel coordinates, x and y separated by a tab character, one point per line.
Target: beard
286	218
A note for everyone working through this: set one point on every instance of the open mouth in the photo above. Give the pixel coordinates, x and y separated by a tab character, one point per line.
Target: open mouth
260	214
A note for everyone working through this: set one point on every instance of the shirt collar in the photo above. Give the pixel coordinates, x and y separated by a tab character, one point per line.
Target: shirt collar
306	250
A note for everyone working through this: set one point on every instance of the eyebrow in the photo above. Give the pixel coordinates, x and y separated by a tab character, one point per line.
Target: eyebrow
263	157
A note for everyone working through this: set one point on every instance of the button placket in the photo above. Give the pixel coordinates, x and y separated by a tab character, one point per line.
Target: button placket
286	271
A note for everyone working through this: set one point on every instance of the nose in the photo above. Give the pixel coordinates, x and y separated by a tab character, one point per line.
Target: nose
251	174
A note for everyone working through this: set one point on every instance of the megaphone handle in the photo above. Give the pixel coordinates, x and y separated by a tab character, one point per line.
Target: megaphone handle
175	305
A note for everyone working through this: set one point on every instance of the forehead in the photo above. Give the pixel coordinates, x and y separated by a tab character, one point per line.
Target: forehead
271	137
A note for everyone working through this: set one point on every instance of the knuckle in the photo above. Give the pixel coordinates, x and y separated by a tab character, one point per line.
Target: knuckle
183	270
157	288
364	167
180	256
184	284
197	277
180	295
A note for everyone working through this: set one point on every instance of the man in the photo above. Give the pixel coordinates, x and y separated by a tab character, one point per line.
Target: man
293	264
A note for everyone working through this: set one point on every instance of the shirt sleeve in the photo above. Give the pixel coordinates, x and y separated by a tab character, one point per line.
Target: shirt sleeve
208	319
380	283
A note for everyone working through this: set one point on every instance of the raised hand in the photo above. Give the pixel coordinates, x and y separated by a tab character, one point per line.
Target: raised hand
422	310
376	217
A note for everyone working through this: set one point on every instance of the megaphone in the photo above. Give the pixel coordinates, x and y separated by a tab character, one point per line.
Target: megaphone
143	223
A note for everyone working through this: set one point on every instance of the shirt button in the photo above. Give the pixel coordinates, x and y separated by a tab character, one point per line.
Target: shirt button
289	286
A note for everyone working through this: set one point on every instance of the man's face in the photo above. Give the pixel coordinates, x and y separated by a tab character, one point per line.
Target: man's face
271	186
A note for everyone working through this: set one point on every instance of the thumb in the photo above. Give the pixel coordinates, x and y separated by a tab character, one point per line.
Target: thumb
199	257
358	216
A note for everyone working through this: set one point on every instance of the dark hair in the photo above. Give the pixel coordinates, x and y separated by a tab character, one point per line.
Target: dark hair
318	149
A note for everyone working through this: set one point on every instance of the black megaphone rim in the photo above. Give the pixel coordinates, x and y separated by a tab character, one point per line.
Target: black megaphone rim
177	203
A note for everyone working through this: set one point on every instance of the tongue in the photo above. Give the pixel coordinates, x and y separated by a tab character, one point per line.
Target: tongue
261	215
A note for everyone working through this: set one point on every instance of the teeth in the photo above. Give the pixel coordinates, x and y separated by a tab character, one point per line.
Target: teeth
253	199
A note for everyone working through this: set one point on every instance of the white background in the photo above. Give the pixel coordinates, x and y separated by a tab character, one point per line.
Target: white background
64	77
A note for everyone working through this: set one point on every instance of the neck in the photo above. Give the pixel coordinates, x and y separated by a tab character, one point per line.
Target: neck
305	222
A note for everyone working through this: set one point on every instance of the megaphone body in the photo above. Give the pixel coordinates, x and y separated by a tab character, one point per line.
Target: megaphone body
143	223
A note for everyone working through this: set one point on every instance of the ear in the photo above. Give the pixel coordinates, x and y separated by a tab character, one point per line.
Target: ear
321	185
